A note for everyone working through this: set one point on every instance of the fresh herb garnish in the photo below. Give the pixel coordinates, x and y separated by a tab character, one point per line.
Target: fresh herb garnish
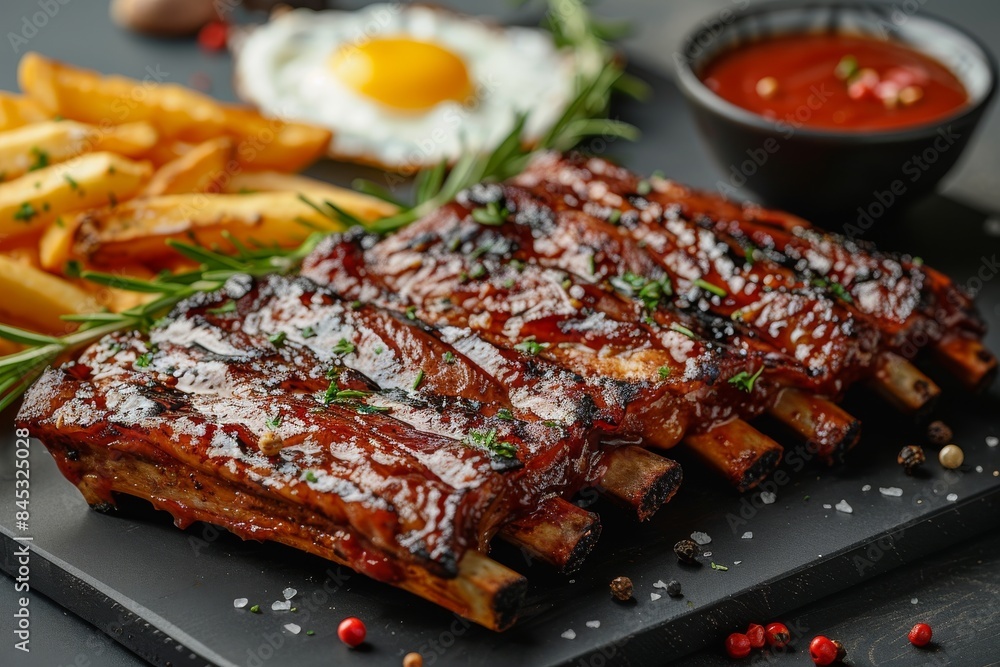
417	380
709	287
721	568
25	212
277	339
650	291
663	372
143	360
343	347
411	313
505	414
531	347
227	307
492	214
41	159
488	440
310	476
448	357
681	329
615	216
835	288
308	332
274	422
744	380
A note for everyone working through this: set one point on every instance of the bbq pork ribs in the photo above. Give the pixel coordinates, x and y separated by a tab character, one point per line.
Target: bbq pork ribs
405	400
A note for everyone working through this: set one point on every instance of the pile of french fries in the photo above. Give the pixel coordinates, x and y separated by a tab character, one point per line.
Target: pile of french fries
100	171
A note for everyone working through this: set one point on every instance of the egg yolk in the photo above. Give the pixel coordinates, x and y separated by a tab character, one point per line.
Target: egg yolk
403	73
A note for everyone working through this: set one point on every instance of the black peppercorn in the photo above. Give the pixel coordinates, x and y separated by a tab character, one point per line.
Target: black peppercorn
674	588
938	433
910	457
621	588
686	551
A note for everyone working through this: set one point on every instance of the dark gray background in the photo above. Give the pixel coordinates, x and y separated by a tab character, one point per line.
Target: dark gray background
963	580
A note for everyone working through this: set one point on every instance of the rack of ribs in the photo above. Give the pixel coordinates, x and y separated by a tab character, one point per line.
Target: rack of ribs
406	400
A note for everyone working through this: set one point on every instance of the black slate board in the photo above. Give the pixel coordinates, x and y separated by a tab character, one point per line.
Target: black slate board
167	594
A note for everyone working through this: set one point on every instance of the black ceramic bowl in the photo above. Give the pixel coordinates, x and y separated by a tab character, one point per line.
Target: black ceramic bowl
830	174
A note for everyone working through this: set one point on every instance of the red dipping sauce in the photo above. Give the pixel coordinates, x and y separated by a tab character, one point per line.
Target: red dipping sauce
836	82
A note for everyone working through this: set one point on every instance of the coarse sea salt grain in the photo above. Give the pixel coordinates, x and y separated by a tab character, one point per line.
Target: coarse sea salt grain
660	584
914	600
569	634
293	628
748	535
845	507
767	497
737	562
992	441
952	497
707	554
827	506
866	487
289	593
653	597
700	538
593	624
281	605
979	468
239	603
893	491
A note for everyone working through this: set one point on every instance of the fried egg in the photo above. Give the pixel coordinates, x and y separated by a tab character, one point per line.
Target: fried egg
405	87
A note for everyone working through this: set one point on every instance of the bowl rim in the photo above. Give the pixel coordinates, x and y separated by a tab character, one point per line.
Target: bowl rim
695	88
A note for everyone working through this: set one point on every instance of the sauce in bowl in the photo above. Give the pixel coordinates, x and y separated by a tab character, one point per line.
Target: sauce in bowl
836	82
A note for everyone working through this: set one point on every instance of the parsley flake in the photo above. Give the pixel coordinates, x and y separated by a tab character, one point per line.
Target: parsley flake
343	347
492	214
531	347
488	440
744	380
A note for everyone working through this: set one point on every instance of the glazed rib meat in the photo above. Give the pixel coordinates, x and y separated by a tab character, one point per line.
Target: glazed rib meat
329	413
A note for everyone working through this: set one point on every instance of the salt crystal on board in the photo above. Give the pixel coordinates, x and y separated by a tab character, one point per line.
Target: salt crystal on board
992	441
660	584
293	628
893	491
844	507
979	468
593	624
653	597
866	487
239	603
767	497
289	593
700	538
827	506
569	634
748	535
281	605
914	600
952	497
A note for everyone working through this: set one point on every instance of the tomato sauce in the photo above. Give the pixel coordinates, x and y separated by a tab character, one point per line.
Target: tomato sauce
836	82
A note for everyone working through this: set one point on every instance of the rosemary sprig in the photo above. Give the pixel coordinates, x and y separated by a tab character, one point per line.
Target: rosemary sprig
19	370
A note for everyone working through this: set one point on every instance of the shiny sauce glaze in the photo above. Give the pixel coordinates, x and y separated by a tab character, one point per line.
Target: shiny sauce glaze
836	82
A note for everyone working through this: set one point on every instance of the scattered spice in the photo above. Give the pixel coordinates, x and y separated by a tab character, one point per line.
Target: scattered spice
686	552
920	634
939	433
737	646
621	588
777	635
352	631
911	457
674	588
951	457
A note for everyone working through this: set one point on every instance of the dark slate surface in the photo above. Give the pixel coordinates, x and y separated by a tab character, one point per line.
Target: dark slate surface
122	573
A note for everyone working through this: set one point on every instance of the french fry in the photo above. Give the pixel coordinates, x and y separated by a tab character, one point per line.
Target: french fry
137	231
167	151
38	299
17	111
29	203
176	112
274	181
35	146
133	140
196	171
56	243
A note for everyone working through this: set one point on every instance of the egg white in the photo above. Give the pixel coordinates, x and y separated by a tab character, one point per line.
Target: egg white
283	68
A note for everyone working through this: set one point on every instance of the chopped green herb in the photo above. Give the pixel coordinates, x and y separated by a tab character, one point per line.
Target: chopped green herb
663	372
552	424
334	394
480	251
277	339
310	632
355	305
517	265
25	212
847	68
365	409
112	199
274	422
508	283
343	347
737	315
72	183
449	357
333	373
227	307
531	347
310	477
748	254
650	292
491	214
72	269
112	170
505	414
143	360
836	288
592	264
615	216
417	380
41	159
681	329
643	187
721	568
411	313
478	271
488	440
709	287
308	332
379	350
744	380
255	609
59	223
